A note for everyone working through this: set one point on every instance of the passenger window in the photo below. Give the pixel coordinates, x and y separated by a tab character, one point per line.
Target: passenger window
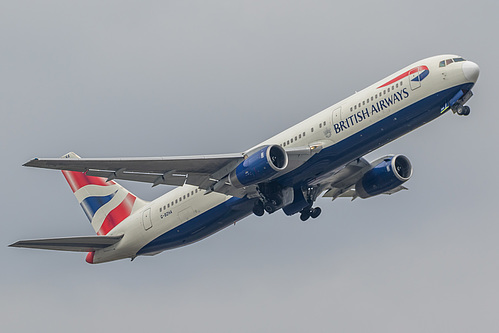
388	89
176	200
372	98
284	144
168	205
296	138
288	142
188	194
160	209
299	136
320	125
324	123
303	134
351	109
180	199
291	140
355	107
363	102
312	130
384	92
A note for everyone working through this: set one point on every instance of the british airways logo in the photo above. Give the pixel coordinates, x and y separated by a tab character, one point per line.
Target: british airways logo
415	74
369	111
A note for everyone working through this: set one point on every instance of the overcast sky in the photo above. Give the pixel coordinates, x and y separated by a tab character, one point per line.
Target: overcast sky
158	78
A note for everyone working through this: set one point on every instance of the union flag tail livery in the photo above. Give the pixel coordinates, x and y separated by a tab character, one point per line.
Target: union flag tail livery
322	155
106	203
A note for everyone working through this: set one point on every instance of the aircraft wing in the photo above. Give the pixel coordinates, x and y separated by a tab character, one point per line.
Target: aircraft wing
351	193
75	244
200	170
207	172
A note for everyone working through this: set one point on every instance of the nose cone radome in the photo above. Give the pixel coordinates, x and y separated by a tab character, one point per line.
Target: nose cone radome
471	70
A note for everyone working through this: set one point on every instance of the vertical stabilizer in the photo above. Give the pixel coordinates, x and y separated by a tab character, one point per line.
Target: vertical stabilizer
106	203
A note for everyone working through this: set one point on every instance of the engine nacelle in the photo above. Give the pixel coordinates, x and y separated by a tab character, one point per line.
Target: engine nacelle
393	171
259	166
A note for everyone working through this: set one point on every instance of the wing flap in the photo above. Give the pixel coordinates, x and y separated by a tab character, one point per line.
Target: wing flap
154	178
75	244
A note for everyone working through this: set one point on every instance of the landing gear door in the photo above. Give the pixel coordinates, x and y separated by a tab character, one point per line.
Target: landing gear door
415	78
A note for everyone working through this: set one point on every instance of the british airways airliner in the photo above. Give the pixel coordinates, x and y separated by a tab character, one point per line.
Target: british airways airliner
322	155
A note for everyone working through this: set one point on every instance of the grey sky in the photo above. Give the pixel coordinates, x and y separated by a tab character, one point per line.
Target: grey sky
126	78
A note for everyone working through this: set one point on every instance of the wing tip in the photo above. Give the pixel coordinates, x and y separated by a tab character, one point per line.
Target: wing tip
31	162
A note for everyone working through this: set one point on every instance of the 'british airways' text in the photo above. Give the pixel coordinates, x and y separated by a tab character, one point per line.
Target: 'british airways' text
369	111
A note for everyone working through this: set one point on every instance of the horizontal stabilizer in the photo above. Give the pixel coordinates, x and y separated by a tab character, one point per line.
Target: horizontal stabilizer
76	244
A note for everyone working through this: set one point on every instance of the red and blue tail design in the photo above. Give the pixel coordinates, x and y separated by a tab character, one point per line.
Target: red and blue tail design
105	203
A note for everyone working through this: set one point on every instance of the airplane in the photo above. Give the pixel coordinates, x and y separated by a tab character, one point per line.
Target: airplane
322	155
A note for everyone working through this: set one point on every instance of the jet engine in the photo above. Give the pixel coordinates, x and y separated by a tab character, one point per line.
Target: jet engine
259	166
393	171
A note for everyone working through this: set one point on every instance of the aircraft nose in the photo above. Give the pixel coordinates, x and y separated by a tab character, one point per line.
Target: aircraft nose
471	70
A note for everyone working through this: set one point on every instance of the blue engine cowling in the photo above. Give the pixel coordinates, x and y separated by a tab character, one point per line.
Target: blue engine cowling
259	166
393	171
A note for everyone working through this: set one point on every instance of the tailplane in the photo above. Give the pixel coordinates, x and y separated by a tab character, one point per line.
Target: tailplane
75	244
105	202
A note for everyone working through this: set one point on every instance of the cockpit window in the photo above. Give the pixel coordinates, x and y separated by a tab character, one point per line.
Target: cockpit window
444	63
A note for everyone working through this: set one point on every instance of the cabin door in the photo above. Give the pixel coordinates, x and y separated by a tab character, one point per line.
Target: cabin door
415	78
146	219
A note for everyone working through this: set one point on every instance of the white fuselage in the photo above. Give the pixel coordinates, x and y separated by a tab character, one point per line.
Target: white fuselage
347	119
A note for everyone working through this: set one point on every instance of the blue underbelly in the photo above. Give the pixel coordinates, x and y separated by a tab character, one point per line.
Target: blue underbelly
202	226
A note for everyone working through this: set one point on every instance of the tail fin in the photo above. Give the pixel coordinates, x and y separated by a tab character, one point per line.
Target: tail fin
105	203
